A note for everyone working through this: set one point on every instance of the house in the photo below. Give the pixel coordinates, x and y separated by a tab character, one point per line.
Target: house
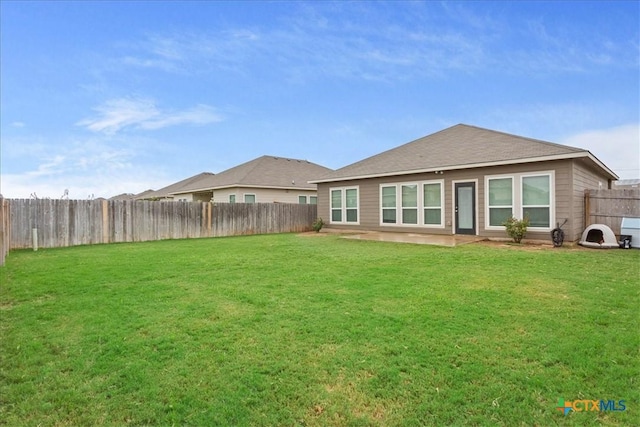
464	180
623	184
166	193
267	179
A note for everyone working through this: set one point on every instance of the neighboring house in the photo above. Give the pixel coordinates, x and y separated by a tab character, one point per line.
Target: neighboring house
166	193
123	196
625	184
267	179
464	180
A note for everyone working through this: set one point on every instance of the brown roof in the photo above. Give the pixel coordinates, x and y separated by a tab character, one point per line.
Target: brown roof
265	171
170	189
460	146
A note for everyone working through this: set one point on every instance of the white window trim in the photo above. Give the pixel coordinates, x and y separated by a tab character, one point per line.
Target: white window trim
514	183
420	207
517	197
343	195
552	198
244	197
234	198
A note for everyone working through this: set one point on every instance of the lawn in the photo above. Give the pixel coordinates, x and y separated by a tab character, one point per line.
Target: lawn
316	330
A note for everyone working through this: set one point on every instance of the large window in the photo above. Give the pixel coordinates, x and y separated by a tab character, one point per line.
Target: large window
526	195
389	205
536	200
500	200
313	200
412	203
232	198
344	205
249	198
302	200
432	204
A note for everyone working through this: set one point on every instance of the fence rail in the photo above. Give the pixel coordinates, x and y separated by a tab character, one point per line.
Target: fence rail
608	207
62	223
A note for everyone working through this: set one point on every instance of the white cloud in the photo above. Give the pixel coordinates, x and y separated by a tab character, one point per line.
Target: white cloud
18	124
385	43
139	113
103	166
617	147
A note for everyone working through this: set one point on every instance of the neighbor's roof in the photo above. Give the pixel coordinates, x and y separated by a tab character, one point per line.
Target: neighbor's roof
170	189
263	172
458	147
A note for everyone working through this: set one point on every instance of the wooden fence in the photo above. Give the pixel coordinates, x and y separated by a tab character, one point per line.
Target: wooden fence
608	207
83	222
5	230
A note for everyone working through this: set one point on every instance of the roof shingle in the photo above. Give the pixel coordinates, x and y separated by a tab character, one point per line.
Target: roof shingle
265	171
458	146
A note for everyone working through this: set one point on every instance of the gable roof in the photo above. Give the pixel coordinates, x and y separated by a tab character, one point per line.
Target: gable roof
169	189
263	172
458	147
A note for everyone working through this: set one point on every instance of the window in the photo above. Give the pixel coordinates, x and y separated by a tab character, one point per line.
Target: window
344	205
521	195
352	204
389	205
536	200
249	198
412	203
232	198
313	200
336	205
500	200
432	204
302	200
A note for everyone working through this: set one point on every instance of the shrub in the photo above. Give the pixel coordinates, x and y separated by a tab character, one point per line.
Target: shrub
516	228
317	224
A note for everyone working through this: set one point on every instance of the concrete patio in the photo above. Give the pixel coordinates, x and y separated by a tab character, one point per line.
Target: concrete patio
415	238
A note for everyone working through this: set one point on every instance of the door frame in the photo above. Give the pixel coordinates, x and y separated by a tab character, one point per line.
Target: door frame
454	196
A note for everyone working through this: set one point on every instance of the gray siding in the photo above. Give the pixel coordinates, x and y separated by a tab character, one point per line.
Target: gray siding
584	178
565	198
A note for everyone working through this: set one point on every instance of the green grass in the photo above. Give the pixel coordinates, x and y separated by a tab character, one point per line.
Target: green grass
305	330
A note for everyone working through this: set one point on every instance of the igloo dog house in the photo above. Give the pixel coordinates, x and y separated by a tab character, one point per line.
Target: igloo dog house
598	236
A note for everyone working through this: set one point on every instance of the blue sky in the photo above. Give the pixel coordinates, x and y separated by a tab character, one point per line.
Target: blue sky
103	98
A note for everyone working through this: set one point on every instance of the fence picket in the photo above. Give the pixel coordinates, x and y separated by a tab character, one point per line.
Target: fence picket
81	222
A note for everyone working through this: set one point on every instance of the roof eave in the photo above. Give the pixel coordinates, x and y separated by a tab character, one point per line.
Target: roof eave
477	165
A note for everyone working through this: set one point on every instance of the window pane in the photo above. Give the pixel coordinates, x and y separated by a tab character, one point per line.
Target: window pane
432	216
336	198
499	215
535	190
389	216
409	196
302	200
500	192
432	195
388	197
232	198
313	200
352	215
409	216
336	215
249	198
538	217
352	198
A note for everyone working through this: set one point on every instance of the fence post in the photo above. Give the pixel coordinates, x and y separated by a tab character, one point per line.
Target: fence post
105	221
587	209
